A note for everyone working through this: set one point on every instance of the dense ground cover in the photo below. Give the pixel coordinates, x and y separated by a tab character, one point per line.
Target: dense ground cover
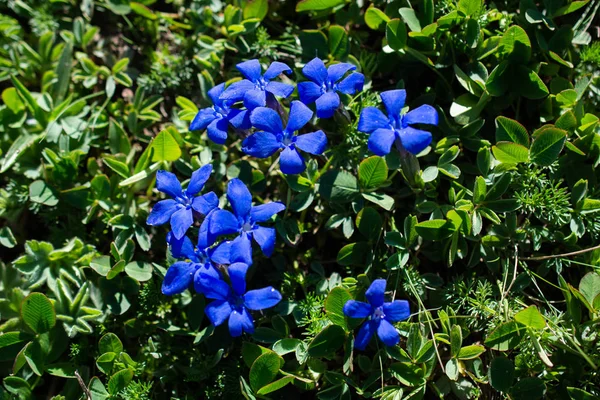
384	199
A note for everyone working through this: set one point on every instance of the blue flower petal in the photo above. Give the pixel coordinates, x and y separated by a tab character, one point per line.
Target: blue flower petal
251	69
236	91
387	333
199	178
216	92
221	253
241	250
178	278
353	83
237	275
255	98
365	333
205	238
167	182
181	221
414	140
376	292
202	274
265	237
240	321
266	119
397	310
309	92
275	69
222	222
240	119
425	114
205	203
393	100
264	212
261	144
372	118
291	162
299	116
260	299
239	197
380	141
335	72
217	312
315	71
327	104
280	89
161	212
313	143
217	130
202	119
212	287
357	309
181	247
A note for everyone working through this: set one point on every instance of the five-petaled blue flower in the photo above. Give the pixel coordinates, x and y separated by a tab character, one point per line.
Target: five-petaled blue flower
380	316
325	85
272	137
180	275
234	304
396	127
180	209
216	119
244	221
257	89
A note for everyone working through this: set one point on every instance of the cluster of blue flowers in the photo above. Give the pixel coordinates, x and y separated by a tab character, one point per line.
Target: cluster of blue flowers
252	103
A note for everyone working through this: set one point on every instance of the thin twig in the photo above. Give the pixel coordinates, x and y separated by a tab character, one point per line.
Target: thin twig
86	391
573	253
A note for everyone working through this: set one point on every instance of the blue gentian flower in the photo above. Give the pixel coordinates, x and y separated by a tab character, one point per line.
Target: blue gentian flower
380	315
180	209
325	83
385	130
216	119
180	275
272	137
235	304
244	221
257	89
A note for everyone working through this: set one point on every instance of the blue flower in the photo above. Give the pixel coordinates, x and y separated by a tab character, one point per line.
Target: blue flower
273	137
257	89
180	209
326	83
380	316
180	275
235	304
396	127
215	119
244	222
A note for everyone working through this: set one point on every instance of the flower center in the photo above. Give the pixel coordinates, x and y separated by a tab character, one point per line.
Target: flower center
184	200
397	122
247	227
236	302
378	313
287	141
220	112
261	83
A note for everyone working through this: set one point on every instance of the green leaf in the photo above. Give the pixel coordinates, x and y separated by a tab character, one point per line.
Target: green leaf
251	351
501	374
327	342
470	7
410	17
18	386
433	229
452	369
527	83
63	72
142	10
40	192
528	389
317	5
273	386
334	306
12	100
510	153
353	254
35	357
471	352
369	223
117	166
395	34
547	145
589	206
119	381
509	130
505	336
374	18
372	172
569	8
110	343
580	394
264	369
16	150
338	42
479	190
165	147
256	9
138	270
408	374
97	389
516	45
455	340
382	200
10	338
531	317
38	313
589	286
338	186
289	345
